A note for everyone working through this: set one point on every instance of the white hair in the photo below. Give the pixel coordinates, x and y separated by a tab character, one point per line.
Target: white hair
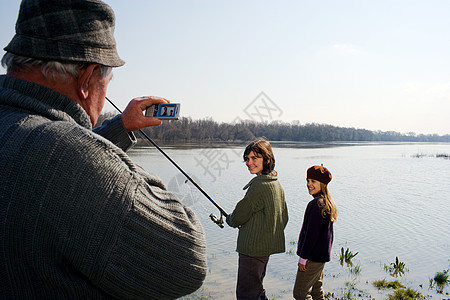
50	69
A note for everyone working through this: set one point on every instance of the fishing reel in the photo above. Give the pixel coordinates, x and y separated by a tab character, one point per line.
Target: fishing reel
216	220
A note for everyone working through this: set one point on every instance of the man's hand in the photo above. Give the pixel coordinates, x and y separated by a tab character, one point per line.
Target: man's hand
133	117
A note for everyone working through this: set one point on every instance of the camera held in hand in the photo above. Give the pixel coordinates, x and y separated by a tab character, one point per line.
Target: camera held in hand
164	111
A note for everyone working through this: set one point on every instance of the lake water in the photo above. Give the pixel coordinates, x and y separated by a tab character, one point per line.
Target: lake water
393	201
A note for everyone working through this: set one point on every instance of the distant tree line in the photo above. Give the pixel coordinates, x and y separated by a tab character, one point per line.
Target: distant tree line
208	130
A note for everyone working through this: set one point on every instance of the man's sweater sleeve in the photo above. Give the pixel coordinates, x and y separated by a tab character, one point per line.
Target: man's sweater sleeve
113	130
161	251
129	236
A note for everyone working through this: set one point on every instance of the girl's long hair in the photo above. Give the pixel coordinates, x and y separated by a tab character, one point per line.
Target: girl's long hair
327	204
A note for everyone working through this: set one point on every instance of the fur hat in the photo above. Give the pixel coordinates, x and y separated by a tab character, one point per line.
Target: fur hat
319	173
66	30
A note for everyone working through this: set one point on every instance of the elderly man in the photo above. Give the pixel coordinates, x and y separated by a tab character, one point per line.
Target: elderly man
78	219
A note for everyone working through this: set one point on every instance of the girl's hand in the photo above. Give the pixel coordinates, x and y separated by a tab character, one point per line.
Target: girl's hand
301	267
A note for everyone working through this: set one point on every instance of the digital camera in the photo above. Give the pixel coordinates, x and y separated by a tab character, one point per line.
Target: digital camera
163	111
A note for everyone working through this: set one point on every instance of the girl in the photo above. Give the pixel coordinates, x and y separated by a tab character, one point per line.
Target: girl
316	236
261	217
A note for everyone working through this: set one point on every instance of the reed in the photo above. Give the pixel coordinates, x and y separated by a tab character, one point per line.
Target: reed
441	277
406	294
384	284
346	256
440	280
443	155
397	268
356	270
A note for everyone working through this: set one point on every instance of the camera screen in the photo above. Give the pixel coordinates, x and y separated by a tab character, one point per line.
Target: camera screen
166	110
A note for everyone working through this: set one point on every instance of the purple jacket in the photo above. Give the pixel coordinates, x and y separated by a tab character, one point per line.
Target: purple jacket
316	236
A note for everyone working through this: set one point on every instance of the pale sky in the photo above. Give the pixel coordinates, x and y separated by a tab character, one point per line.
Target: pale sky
372	64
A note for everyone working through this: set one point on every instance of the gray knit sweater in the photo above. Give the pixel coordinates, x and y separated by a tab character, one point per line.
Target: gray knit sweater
261	217
78	219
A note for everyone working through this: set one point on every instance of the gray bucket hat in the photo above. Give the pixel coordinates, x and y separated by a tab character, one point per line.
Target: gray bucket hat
66	30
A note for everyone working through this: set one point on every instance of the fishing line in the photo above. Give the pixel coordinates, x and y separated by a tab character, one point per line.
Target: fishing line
215	219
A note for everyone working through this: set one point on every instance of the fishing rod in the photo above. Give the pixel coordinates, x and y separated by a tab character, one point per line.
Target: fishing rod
214	218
